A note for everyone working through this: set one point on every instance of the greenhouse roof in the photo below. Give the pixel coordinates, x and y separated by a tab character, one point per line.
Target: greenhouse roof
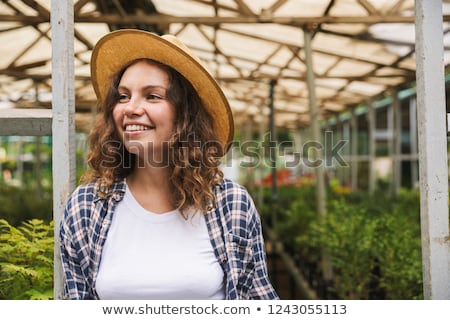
361	50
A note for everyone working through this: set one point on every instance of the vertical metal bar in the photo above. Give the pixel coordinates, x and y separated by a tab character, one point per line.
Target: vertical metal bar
273	146
413	141
38	167
63	121
346	150
260	168
396	169
317	154
354	149
299	137
433	165
372	145
336	136
391	143
273	165
19	176
248	138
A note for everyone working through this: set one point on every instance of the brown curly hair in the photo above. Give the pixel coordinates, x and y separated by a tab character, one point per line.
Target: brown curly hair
194	147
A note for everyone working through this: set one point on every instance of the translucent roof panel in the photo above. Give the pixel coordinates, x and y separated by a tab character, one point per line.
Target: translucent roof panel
360	49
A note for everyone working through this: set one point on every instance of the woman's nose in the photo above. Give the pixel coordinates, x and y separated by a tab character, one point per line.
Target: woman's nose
133	108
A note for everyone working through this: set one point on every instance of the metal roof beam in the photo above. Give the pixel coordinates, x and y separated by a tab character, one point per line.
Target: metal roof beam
165	19
26	122
368	7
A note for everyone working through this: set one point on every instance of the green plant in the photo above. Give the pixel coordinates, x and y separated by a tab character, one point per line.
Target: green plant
373	241
26	260
23	203
348	237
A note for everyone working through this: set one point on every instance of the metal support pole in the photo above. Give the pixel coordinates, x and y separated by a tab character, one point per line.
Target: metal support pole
273	151
433	165
248	137
354	150
390	144
260	168
397	150
413	141
337	136
298	141
347	151
372	145
63	123
317	153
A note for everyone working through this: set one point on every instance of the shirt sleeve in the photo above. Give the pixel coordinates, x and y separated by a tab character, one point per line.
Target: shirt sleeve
262	288
75	262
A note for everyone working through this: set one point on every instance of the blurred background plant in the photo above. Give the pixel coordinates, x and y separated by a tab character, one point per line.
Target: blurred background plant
26	260
373	241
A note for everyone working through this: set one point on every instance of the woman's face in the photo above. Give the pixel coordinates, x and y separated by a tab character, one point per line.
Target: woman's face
143	116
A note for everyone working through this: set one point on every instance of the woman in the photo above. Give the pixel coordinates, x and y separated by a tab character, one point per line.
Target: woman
156	219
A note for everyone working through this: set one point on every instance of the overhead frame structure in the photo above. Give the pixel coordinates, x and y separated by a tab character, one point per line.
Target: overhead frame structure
361	48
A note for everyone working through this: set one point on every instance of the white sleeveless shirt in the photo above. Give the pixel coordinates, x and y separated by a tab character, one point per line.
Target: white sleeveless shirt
158	256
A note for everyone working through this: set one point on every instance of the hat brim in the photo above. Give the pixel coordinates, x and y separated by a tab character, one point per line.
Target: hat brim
119	47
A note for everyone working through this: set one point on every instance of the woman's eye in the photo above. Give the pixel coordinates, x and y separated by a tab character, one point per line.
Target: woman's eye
154	97
123	97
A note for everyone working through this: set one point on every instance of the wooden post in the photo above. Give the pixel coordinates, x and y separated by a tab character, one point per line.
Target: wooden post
433	165
63	120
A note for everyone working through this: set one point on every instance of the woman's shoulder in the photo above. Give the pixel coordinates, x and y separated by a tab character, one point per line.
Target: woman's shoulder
228	185
94	189
234	193
234	196
82	203
237	206
88	193
86	190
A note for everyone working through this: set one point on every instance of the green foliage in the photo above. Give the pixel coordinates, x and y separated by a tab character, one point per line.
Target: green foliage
373	242
22	203
26	260
345	236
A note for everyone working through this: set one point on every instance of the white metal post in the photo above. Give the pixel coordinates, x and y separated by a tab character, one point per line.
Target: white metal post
433	165
63	121
317	153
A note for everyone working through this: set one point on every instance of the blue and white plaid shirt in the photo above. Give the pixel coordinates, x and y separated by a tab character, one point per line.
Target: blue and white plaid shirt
234	228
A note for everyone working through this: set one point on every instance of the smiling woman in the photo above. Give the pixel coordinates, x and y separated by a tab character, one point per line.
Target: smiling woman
155	218
143	116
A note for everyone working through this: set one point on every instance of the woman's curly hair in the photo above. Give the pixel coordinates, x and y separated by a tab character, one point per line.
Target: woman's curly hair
194	149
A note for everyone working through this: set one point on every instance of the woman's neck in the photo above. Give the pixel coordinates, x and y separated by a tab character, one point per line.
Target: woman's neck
152	188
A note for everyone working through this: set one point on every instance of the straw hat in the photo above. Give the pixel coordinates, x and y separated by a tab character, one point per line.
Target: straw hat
119	47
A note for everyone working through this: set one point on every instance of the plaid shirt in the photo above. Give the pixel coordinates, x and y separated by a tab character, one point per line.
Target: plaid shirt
234	228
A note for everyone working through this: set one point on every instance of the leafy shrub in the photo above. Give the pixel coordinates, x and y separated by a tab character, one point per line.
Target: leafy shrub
22	204
373	242
26	260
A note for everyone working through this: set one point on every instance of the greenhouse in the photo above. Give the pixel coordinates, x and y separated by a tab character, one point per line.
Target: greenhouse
340	133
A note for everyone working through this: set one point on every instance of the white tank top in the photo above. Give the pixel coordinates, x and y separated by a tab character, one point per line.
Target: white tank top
158	256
